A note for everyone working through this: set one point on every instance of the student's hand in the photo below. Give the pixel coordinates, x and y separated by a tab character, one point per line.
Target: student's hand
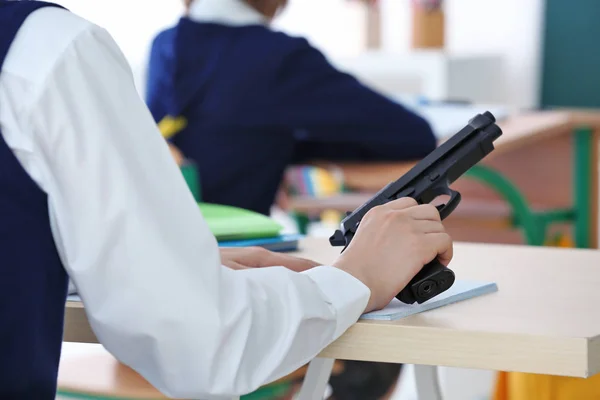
392	244
257	257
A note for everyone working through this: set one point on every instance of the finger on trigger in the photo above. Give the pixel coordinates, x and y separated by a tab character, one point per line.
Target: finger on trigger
425	212
402	203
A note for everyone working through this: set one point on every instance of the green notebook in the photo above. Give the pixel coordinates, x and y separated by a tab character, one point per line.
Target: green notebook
232	223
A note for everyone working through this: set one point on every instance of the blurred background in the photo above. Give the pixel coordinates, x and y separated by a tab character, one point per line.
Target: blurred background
511	39
513	56
503	38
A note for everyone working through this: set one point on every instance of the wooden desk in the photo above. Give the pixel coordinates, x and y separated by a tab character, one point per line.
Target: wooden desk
517	132
549	158
542	320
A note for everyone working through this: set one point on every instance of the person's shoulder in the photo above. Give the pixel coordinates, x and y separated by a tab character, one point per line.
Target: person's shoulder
283	41
161	46
164	36
44	39
298	49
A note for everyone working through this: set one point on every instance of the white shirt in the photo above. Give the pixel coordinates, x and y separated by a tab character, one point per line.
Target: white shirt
132	238
225	12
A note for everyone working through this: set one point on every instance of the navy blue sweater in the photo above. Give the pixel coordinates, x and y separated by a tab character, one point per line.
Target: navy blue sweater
257	101
33	282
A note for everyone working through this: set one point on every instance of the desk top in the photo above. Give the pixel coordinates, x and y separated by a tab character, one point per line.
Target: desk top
543	319
518	131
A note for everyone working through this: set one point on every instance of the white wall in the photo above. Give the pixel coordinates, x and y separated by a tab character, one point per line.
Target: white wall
132	23
512	28
337	27
509	27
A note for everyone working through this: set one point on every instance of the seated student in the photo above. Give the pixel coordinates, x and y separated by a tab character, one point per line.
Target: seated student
89	190
248	101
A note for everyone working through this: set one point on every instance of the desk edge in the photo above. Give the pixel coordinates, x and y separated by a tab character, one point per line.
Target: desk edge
565	356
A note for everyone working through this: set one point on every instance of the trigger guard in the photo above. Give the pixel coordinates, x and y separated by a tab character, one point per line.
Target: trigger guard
446	209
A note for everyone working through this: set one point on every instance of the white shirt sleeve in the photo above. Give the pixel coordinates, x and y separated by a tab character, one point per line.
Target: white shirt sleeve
143	259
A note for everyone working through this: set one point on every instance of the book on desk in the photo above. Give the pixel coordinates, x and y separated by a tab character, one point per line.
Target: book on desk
236	227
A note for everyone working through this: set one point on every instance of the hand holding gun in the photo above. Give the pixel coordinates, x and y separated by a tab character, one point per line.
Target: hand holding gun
427	180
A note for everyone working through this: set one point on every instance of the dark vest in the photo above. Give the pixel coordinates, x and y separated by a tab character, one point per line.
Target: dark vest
33	282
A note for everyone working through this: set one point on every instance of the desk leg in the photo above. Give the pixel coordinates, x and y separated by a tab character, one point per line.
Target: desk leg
534	227
428	385
586	187
315	382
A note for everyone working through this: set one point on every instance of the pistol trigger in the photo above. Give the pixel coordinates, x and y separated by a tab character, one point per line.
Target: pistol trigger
446	209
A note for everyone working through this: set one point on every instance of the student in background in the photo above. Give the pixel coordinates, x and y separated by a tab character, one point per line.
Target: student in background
244	102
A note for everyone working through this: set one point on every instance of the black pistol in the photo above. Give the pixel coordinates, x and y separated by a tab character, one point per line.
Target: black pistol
427	180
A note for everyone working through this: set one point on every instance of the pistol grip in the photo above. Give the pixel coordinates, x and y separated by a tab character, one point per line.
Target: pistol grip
432	280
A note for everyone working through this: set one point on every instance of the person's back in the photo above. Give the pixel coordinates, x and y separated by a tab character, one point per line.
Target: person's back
226	129
255	101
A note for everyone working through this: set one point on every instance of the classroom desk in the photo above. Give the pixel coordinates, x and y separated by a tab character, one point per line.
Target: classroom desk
542	320
558	150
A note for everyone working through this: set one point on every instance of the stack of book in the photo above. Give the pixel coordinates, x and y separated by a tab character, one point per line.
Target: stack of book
236	227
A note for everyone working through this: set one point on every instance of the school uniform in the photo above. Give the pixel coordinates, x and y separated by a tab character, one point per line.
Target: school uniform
89	190
33	286
253	101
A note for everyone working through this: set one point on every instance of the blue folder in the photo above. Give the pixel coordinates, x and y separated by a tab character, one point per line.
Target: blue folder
283	243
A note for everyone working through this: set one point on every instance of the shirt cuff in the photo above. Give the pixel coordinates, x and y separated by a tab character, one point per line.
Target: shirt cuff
346	294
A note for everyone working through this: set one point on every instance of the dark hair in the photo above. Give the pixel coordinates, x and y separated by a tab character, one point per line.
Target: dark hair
268	8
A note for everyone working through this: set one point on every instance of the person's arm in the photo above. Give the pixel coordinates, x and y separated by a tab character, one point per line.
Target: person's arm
143	259
332	106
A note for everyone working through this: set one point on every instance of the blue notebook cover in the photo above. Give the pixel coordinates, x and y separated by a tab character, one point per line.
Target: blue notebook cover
283	243
461	290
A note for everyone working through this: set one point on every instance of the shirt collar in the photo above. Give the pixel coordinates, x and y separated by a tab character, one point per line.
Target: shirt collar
226	12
